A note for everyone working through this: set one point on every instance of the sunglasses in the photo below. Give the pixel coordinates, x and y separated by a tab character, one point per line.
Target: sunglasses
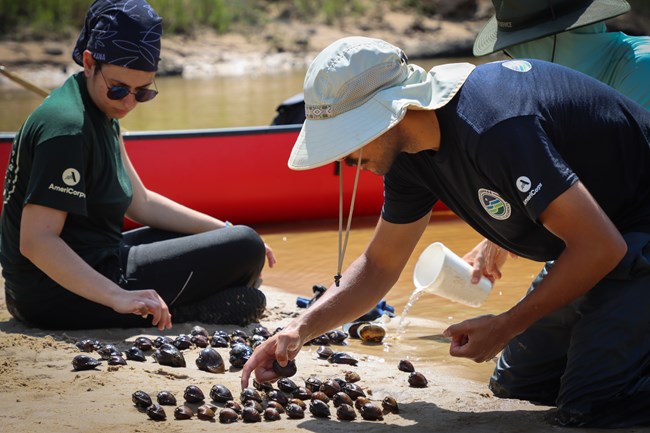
120	92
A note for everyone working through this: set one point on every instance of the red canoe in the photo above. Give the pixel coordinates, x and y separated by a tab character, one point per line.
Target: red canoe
241	174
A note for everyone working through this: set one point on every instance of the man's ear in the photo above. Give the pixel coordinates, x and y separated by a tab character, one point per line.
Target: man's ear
88	63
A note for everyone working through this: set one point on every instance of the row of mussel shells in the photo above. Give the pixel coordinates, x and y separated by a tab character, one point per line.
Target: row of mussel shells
264	402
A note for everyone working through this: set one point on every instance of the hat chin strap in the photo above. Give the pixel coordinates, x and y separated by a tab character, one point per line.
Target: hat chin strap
344	243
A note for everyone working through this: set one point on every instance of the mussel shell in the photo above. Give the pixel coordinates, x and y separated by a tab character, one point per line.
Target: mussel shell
353	390
287	371
156	412
271	414
209	360
135	354
116	360
88	345
294	411
169	355
205	412
183	412
254	404
389	404
251	414
262	331
337	336
287	385
219	342
352	376
108	350
345	412
183	342
227	415
322	339
199	330
371	333
220	393
342	358
341	398
232	404
239	333
277	395
200	341
239	354
143	343
263	387
193	394
330	387
313	383
141	399
324	352
319	409
250	394
418	380
320	395
275	405
84	362
162	339
360	401
371	412
406	366
299	402
302	393
166	398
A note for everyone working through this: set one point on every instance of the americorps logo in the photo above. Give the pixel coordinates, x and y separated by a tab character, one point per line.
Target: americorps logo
71	177
495	206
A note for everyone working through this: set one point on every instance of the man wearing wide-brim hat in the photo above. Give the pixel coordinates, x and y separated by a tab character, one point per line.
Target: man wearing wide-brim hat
571	33
543	161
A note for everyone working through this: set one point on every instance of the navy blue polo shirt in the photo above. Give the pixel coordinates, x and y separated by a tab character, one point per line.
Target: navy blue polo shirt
517	135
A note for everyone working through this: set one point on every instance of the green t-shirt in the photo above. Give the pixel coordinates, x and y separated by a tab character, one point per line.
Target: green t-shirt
66	156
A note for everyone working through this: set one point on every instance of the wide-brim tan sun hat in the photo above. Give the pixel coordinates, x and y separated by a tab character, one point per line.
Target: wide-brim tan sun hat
357	89
519	21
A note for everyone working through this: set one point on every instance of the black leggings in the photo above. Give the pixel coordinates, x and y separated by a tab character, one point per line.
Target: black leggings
183	269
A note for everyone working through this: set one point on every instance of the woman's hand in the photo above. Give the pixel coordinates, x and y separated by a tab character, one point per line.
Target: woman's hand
144	303
487	259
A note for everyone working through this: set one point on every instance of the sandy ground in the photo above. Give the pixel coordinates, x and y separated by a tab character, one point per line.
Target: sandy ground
40	391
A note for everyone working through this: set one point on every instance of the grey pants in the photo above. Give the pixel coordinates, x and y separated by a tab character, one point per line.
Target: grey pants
591	358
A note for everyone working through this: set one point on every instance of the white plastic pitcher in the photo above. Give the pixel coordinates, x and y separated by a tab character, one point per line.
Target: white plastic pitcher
441	272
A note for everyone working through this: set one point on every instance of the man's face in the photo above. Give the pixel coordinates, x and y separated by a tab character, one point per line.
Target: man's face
378	155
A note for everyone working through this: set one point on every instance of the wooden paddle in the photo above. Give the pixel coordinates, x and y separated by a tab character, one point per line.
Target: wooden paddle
23	82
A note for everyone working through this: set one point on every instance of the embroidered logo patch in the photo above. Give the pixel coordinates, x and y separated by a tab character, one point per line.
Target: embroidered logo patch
497	207
71	177
517	65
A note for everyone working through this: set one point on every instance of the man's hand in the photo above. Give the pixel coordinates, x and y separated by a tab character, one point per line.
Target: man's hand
479	339
281	347
487	259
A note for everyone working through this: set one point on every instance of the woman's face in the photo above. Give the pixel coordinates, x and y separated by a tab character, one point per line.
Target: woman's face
99	80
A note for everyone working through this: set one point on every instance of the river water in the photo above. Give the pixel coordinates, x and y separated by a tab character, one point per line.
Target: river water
307	251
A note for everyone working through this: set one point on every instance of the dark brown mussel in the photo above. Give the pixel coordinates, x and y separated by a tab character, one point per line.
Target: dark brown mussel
183	412
143	343
156	412
88	345
277	395
406	366
262	331
162	339
299	402
220	393
116	360
166	398
417	380
330	387
84	362
254	404
352	376
251	414
228	415
360	402
239	333
287	385
193	394
319	409
313	383
342	358
108	350
183	342
389	404
302	393
218	341
141	399
199	330
345	412
371	332
200	341
337	336
341	398
276	405
320	395
239	354
353	390
169	355
232	404
324	352
205	412
321	340
371	412
287	371
271	414
294	411
250	394
135	354
263	386
255	340
209	360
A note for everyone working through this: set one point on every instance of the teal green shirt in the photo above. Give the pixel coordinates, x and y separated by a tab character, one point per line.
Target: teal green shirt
616	59
66	156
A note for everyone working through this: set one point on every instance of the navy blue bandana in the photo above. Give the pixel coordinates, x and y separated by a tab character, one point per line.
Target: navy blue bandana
123	33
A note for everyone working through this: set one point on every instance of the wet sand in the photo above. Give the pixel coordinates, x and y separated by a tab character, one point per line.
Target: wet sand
40	392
